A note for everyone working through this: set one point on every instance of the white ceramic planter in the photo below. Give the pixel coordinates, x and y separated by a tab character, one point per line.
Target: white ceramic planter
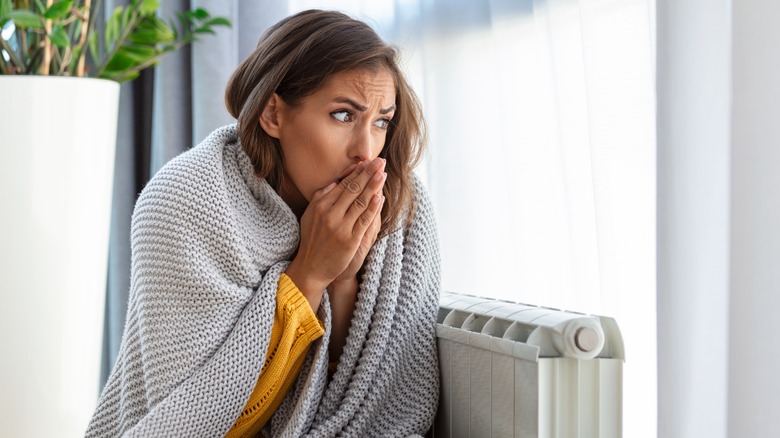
57	145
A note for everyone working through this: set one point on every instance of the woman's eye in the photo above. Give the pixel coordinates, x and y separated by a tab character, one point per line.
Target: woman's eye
382	123
342	116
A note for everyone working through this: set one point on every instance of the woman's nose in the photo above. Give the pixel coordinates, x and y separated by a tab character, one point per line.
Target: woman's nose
362	147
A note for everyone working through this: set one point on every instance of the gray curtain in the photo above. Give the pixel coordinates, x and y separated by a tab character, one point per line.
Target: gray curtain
164	112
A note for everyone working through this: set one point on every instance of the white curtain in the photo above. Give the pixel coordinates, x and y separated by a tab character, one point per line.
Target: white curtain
542	158
542	147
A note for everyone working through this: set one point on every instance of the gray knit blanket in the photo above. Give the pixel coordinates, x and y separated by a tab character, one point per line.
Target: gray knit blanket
209	242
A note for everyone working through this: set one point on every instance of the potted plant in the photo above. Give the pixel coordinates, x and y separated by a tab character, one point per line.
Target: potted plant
60	71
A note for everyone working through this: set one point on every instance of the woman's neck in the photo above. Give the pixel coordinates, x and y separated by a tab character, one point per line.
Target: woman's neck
293	197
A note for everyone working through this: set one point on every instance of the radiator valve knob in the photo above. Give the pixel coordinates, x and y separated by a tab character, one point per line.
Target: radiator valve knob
586	339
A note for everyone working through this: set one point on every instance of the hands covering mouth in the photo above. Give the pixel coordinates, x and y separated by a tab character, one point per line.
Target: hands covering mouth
347	171
338	228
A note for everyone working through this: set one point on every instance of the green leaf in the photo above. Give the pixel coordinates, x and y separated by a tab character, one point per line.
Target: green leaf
138	53
5	8
164	32
204	30
59	37
172	26
126	17
184	24
139	37
149	7
120	62
58	9
219	21
109	74
152	30
200	14
127	76
93	47
113	27
74	59
25	18
41	7
122	75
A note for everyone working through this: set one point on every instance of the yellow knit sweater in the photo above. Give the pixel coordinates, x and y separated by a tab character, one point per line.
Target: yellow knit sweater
295	328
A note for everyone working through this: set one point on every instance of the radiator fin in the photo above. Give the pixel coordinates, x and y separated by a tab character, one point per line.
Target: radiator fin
516	370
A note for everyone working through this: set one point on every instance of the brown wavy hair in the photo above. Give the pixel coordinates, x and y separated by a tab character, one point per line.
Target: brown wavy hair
294	59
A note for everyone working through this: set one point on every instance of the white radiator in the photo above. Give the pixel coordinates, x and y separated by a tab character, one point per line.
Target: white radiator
515	370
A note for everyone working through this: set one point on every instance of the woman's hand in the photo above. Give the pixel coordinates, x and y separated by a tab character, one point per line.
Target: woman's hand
337	229
369	238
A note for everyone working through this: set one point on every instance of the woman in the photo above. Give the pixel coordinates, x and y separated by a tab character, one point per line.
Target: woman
285	272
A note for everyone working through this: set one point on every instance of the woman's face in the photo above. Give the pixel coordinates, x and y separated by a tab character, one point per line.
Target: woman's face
331	131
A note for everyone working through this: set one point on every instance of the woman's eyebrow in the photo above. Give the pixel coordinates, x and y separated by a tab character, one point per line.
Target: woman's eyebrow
360	107
387	110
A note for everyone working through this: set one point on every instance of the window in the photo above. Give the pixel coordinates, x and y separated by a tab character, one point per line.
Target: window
542	155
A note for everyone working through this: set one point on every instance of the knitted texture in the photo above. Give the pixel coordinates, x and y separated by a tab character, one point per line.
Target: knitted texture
210	241
295	328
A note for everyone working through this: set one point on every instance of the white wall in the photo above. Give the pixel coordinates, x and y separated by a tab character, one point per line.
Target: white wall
693	77
718	206
754	323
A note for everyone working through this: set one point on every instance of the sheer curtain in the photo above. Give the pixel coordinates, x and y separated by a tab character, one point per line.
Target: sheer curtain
541	162
542	156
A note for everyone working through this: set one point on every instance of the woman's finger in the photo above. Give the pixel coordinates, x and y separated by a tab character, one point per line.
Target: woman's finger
361	203
322	192
354	186
377	225
373	230
334	195
366	219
